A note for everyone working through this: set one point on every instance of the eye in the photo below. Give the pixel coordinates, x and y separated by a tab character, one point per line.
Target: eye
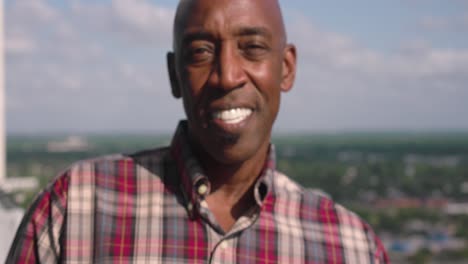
198	53
254	50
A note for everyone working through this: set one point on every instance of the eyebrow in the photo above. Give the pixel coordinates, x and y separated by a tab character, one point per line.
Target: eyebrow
198	35
252	31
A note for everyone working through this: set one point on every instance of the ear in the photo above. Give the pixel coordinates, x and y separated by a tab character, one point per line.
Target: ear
289	68
170	57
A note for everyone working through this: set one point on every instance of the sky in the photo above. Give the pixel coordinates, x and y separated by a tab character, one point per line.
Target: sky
81	66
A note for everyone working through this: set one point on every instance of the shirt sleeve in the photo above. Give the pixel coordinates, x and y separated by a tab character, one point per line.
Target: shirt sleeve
39	234
359	241
380	255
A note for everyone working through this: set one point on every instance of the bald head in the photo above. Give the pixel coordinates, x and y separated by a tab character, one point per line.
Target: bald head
190	13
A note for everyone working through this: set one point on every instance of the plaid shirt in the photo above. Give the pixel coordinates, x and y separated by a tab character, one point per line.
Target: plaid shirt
149	208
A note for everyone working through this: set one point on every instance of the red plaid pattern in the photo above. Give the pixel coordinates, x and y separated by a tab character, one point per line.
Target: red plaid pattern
144	208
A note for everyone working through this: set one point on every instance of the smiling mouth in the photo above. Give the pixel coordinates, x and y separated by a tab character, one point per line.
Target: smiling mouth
232	116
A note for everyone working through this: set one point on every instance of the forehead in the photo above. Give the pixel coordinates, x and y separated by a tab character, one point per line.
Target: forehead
221	17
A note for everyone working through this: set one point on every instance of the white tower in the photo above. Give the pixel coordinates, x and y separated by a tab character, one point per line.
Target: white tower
2	99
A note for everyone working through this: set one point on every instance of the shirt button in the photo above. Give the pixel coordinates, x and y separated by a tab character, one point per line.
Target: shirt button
204	204
202	189
223	245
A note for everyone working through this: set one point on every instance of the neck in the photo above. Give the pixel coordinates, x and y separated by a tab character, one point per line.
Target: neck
232	185
233	178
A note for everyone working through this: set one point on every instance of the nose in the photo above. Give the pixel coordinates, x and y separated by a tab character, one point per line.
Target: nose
229	73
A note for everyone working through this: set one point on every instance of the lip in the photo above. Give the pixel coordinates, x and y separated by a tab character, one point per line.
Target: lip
232	129
227	128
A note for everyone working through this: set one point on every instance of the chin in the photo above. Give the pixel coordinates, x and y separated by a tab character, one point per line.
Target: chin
235	153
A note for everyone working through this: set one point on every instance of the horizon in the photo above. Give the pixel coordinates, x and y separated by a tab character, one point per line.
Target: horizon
435	132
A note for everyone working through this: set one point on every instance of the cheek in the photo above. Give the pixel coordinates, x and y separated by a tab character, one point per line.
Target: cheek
194	97
194	81
267	80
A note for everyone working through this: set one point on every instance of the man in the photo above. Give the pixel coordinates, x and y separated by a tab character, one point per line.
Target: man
213	195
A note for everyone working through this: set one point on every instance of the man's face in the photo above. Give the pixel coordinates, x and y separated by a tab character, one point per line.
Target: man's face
230	65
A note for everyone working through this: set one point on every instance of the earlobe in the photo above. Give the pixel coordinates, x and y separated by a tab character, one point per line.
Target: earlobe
289	68
170	57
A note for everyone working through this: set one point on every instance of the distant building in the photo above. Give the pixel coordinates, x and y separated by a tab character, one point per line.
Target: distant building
404	202
70	144
457	209
13	184
10	217
449	161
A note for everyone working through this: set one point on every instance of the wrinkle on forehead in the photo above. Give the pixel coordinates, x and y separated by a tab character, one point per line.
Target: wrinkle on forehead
187	8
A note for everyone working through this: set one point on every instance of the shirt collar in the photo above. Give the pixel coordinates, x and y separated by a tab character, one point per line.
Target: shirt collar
193	181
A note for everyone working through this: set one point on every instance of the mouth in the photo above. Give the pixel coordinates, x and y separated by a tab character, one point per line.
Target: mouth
232	116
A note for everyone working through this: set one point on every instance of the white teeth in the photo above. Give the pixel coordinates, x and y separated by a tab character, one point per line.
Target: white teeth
233	116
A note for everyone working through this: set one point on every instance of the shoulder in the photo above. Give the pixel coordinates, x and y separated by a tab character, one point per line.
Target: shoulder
285	186
316	201
322	220
71	196
116	166
100	171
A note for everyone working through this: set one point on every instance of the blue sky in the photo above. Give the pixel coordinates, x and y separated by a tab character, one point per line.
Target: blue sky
99	66
385	24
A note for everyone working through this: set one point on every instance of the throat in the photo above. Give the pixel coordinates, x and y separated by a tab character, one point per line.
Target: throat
227	210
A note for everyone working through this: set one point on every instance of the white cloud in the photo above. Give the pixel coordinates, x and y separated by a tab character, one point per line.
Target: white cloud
37	11
142	16
331	51
136	21
346	85
13	104
19	43
458	23
435	23
22	31
464	20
